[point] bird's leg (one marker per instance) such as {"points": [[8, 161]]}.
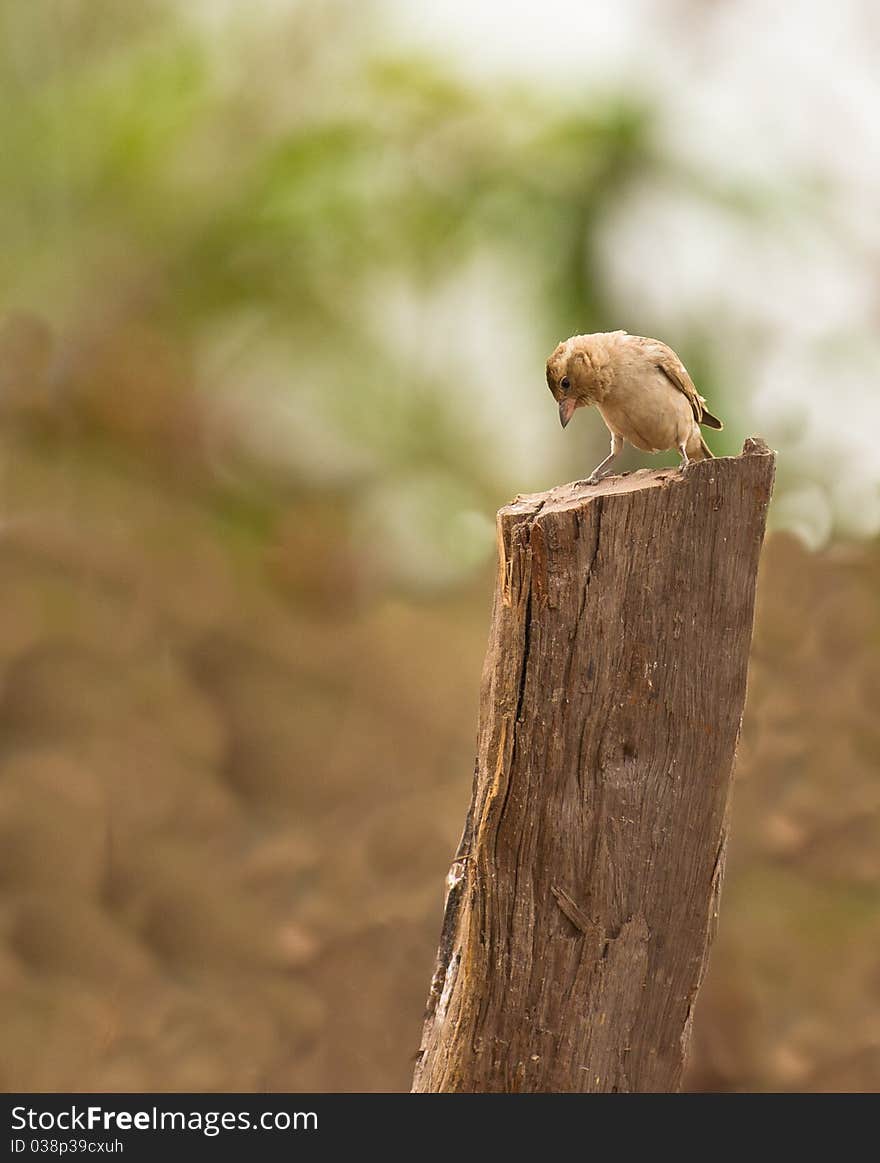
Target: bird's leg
{"points": [[685, 459], [604, 468]]}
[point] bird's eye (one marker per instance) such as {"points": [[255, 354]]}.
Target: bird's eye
{"points": [[565, 383]]}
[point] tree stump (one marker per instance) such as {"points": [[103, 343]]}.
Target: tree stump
{"points": [[584, 895]]}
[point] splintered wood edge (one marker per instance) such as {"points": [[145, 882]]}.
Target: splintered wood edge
{"points": [[574, 494]]}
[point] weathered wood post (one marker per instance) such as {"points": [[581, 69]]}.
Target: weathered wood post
{"points": [[582, 901]]}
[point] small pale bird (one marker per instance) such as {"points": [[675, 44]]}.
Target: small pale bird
{"points": [[641, 389]]}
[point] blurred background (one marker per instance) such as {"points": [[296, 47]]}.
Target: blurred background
{"points": [[277, 284]]}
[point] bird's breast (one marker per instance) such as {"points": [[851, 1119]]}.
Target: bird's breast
{"points": [[650, 414]]}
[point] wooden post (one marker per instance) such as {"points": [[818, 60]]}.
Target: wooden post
{"points": [[583, 898]]}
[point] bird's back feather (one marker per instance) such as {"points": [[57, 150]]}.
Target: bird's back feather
{"points": [[671, 366]]}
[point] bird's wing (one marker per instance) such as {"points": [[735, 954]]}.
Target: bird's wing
{"points": [[675, 371]]}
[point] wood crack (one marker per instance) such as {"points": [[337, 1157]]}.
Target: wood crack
{"points": [[571, 910]]}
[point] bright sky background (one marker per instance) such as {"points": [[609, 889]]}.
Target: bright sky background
{"points": [[556, 42], [785, 99]]}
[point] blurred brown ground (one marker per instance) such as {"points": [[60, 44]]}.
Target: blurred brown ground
{"points": [[230, 786]]}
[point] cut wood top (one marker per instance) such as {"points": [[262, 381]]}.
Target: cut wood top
{"points": [[576, 493]]}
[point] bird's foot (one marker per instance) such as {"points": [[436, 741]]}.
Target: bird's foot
{"points": [[589, 481]]}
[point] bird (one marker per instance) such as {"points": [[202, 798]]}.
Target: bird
{"points": [[641, 389]]}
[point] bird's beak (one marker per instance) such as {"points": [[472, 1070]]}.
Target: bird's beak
{"points": [[566, 410]]}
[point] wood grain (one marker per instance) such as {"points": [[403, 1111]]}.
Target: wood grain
{"points": [[584, 895]]}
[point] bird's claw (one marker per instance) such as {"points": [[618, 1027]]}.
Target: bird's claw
{"points": [[588, 481]]}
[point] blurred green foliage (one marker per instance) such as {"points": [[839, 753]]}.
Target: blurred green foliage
{"points": [[209, 213]]}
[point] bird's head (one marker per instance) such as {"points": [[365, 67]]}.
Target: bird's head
{"points": [[571, 376]]}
